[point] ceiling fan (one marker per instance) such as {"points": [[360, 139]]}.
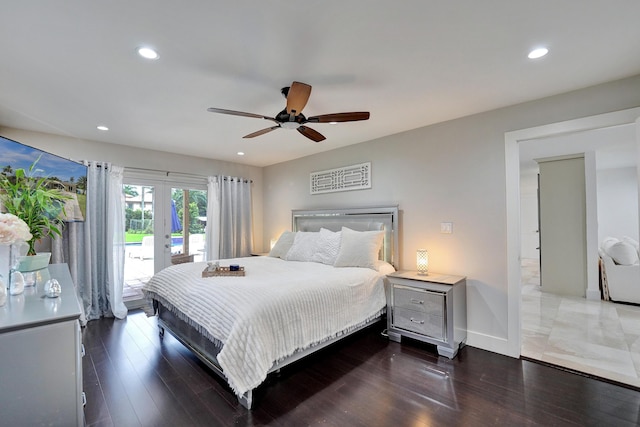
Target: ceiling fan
{"points": [[292, 118]]}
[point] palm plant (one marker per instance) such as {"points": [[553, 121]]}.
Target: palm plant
{"points": [[38, 201]]}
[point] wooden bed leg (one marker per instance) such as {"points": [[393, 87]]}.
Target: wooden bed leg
{"points": [[246, 399]]}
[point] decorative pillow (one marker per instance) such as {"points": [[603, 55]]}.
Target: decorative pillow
{"points": [[304, 246], [623, 253], [328, 245], [282, 246], [359, 248], [384, 267]]}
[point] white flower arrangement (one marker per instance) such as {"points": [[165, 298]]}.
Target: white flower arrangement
{"points": [[13, 229]]}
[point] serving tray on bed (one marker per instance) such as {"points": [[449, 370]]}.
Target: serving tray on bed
{"points": [[222, 271]]}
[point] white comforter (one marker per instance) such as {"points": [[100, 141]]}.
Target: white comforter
{"points": [[279, 307]]}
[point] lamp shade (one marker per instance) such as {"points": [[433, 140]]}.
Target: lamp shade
{"points": [[422, 261]]}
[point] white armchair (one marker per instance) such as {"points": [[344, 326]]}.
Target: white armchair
{"points": [[621, 270]]}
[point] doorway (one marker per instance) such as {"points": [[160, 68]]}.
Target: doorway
{"points": [[164, 225], [514, 236]]}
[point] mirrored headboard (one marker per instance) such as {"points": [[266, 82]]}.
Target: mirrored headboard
{"points": [[358, 219]]}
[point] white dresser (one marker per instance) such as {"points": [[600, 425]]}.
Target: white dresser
{"points": [[40, 356], [431, 308]]}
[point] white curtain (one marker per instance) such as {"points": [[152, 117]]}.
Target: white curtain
{"points": [[115, 229], [212, 230], [229, 226], [94, 249]]}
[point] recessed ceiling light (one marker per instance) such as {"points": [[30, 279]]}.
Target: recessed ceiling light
{"points": [[333, 123], [538, 53], [240, 153], [102, 127], [147, 52]]}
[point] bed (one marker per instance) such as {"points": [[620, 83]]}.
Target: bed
{"points": [[323, 281]]}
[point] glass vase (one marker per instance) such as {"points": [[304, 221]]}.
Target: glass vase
{"points": [[3, 292], [9, 261], [5, 264]]}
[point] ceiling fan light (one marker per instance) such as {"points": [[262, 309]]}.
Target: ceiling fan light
{"points": [[102, 128], [290, 125]]}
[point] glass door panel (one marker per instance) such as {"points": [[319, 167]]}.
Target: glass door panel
{"points": [[164, 225], [139, 238], [188, 220]]}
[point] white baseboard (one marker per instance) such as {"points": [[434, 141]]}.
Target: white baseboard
{"points": [[492, 343]]}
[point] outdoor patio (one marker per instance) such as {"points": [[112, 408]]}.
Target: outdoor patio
{"points": [[139, 265]]}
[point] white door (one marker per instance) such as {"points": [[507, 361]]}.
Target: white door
{"points": [[160, 229]]}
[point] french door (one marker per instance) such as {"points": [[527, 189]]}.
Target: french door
{"points": [[164, 225]]}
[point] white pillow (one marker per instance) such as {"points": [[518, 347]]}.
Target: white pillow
{"points": [[384, 267], [328, 245], [359, 248], [607, 242], [632, 242], [623, 253], [304, 246], [282, 246]]}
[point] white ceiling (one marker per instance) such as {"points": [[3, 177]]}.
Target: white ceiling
{"points": [[68, 66]]}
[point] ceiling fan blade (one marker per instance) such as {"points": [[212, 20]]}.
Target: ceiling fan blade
{"points": [[340, 117], [311, 134], [261, 132], [297, 97], [239, 113]]}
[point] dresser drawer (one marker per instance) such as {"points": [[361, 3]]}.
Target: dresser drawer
{"points": [[417, 299], [419, 322]]}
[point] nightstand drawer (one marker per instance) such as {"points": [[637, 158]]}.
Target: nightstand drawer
{"points": [[419, 322], [417, 299]]}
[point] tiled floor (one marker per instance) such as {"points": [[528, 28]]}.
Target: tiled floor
{"points": [[596, 337]]}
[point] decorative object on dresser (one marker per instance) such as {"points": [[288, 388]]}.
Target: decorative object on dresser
{"points": [[52, 288], [41, 350], [431, 308], [3, 292], [14, 232]]}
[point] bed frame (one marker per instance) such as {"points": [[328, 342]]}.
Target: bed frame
{"points": [[359, 219]]}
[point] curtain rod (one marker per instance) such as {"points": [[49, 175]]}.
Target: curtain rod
{"points": [[180, 173], [166, 173], [237, 178]]}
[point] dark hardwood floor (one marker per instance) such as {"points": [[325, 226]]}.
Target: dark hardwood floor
{"points": [[133, 378]]}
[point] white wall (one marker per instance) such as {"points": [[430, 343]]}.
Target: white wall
{"points": [[617, 203], [452, 171], [79, 149]]}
